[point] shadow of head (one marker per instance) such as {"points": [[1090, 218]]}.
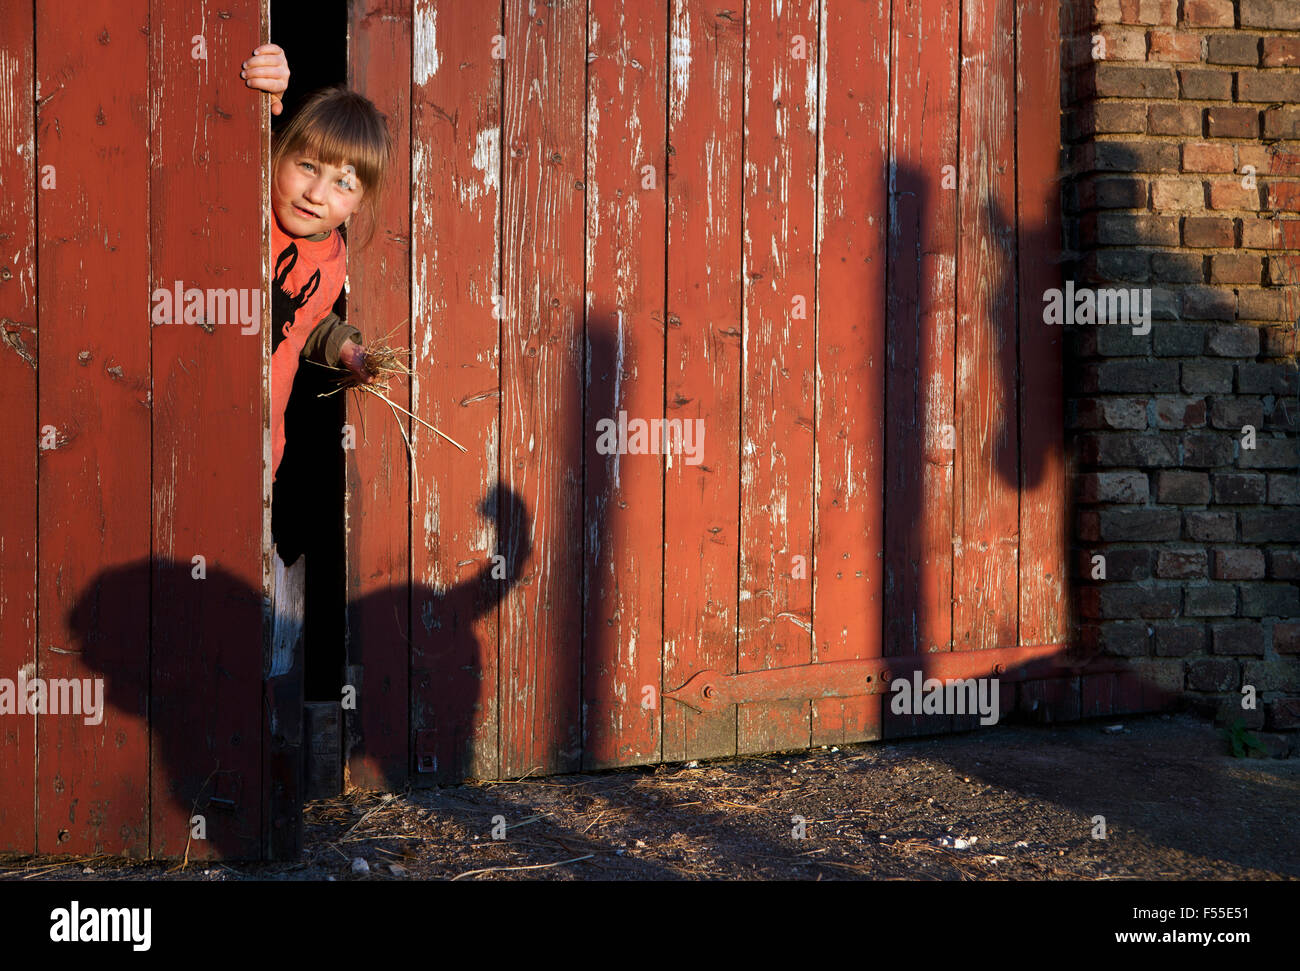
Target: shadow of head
{"points": [[179, 651]]}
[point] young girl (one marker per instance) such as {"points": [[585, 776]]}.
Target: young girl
{"points": [[328, 162]]}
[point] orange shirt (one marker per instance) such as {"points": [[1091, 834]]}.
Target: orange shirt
{"points": [[309, 273]]}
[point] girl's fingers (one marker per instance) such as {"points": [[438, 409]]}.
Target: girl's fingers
{"points": [[266, 61], [274, 77], [270, 87]]}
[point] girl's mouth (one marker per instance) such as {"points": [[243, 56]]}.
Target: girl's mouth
{"points": [[305, 213]]}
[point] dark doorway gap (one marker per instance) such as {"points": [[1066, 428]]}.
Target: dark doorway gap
{"points": [[307, 499]]}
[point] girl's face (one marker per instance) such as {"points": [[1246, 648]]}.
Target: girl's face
{"points": [[309, 197]]}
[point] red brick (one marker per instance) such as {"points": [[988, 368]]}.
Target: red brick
{"points": [[1282, 122], [1234, 48], [1211, 526], [1283, 196], [1168, 45], [1173, 194], [1179, 412], [1120, 229], [1208, 232], [1232, 122], [1257, 156], [1236, 268], [1113, 487], [1281, 52], [1213, 674], [1231, 194], [1103, 11], [1130, 81], [1111, 413], [1163, 12], [1272, 14], [1283, 340], [1284, 714], [1238, 638], [1283, 270], [1178, 268], [1286, 638], [1181, 640], [1279, 675], [1120, 44], [1279, 163], [1260, 305], [1133, 156], [1174, 119], [1208, 13], [1181, 564], [1284, 564], [1208, 303], [1192, 488], [1207, 157], [1238, 564], [1260, 234], [1112, 117], [1234, 341], [1268, 86], [1205, 85]]}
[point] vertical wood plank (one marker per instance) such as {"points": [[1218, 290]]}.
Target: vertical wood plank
{"points": [[920, 438], [207, 158], [703, 364], [623, 582], [986, 472], [776, 506], [377, 508], [541, 371], [457, 509], [1044, 523], [852, 224], [18, 413], [94, 419]]}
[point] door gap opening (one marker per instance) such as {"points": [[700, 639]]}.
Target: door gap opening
{"points": [[307, 500]]}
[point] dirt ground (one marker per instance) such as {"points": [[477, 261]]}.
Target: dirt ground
{"points": [[1011, 802]]}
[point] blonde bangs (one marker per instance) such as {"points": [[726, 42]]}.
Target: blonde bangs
{"points": [[337, 126]]}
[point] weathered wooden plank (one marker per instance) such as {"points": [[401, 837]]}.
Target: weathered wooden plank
{"points": [[776, 488], [206, 189], [703, 365], [377, 507], [541, 371], [623, 580], [18, 413], [93, 417], [1044, 523], [852, 224], [922, 262], [456, 509], [986, 473]]}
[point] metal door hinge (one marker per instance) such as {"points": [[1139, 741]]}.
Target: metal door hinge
{"points": [[710, 690]]}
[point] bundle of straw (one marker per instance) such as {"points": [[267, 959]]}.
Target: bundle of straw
{"points": [[385, 364]]}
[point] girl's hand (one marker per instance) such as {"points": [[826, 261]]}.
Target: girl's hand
{"points": [[352, 356], [267, 70]]}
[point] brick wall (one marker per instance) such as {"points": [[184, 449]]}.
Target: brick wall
{"points": [[1183, 131]]}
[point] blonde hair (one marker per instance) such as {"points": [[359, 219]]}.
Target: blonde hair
{"points": [[339, 126]]}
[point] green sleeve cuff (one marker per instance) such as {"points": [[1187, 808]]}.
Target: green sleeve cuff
{"points": [[326, 339]]}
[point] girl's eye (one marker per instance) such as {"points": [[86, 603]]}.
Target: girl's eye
{"points": [[308, 166]]}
